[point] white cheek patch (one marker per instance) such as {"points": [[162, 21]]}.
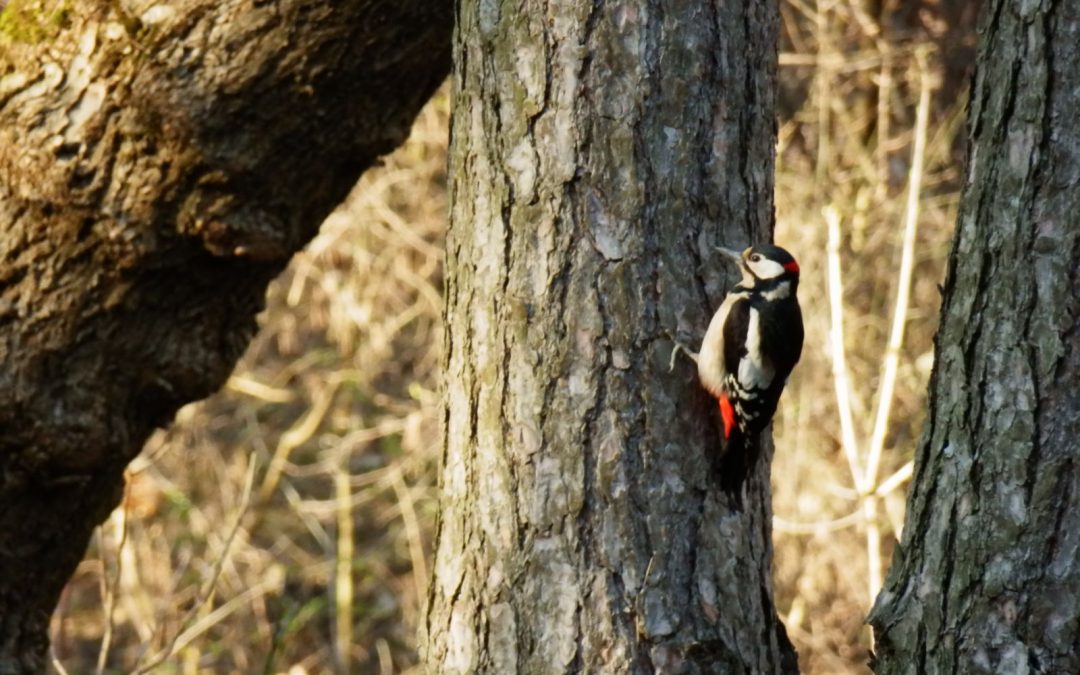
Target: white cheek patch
{"points": [[766, 269]]}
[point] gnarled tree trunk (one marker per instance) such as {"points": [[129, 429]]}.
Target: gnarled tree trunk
{"points": [[600, 152], [159, 164], [987, 579]]}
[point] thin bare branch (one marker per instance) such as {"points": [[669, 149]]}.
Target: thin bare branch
{"points": [[112, 586], [294, 438], [896, 480], [343, 581], [836, 347], [907, 264]]}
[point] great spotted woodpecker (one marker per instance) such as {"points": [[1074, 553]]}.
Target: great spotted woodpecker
{"points": [[752, 343]]}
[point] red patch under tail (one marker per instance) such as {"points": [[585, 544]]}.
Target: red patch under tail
{"points": [[727, 411]]}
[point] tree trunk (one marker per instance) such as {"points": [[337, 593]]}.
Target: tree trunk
{"points": [[987, 579], [159, 164], [599, 153]]}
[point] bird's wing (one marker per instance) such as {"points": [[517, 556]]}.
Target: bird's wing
{"points": [[736, 327]]}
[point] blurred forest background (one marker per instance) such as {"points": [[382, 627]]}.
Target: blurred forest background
{"points": [[285, 525]]}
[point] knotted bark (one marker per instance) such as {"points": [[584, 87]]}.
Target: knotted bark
{"points": [[159, 164]]}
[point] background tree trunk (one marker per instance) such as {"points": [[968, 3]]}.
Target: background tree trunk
{"points": [[159, 164], [599, 153], [987, 579]]}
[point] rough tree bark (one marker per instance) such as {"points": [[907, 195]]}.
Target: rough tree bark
{"points": [[159, 164], [600, 151], [987, 579]]}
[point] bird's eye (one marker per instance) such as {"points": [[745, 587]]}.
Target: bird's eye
{"points": [[755, 258]]}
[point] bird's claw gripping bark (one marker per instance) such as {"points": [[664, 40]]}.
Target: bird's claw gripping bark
{"points": [[680, 347]]}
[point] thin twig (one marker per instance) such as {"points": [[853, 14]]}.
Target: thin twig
{"points": [[295, 437], [817, 527], [215, 617], [873, 547], [823, 77], [56, 664], [884, 117], [112, 587], [896, 334], [907, 264], [246, 384], [343, 581], [896, 480], [412, 531], [175, 643], [836, 343], [386, 658]]}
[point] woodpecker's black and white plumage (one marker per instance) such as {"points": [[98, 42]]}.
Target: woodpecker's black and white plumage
{"points": [[752, 343]]}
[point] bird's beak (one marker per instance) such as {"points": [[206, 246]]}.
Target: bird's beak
{"points": [[731, 254]]}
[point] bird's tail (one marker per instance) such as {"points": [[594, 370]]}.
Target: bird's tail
{"points": [[740, 456]]}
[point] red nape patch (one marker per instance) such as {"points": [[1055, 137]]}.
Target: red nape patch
{"points": [[792, 267], [727, 411]]}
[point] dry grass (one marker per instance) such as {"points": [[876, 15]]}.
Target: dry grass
{"points": [[334, 407], [284, 525]]}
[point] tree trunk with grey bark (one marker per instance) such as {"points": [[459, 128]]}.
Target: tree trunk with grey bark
{"points": [[159, 164], [600, 152], [987, 579]]}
